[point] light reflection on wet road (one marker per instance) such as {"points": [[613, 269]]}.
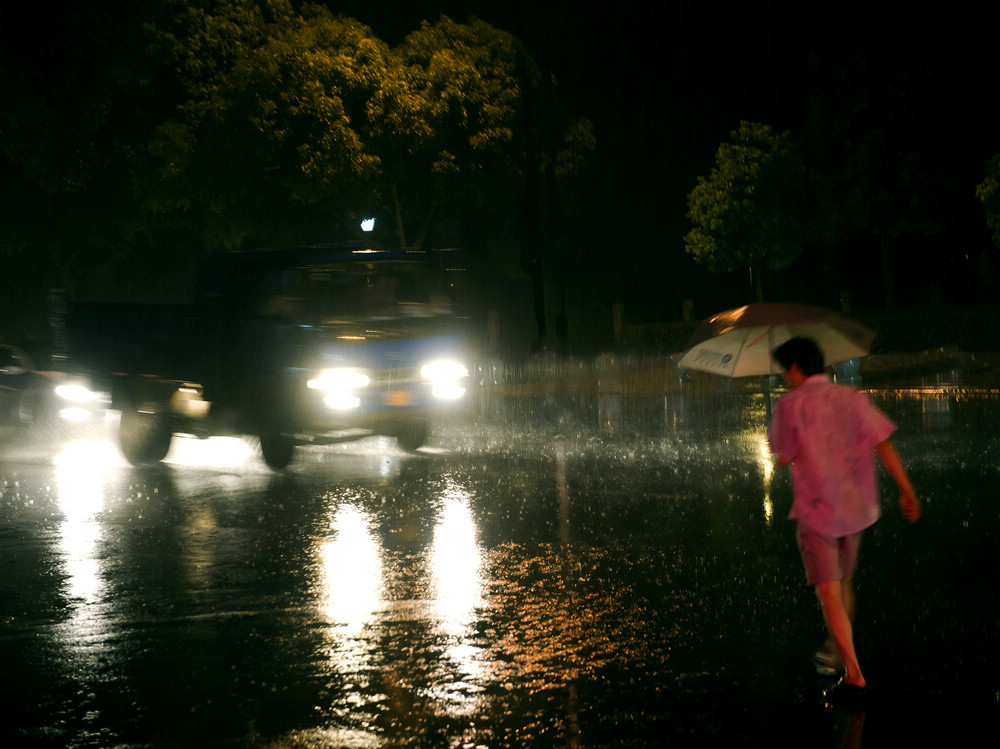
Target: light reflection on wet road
{"points": [[551, 572]]}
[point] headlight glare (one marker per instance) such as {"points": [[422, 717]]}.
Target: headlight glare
{"points": [[342, 401], [447, 391], [75, 393], [443, 370], [340, 380], [75, 413]]}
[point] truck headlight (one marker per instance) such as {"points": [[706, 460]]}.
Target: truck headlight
{"points": [[74, 392], [77, 401], [446, 378], [339, 385]]}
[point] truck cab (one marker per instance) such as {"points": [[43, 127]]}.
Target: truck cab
{"points": [[304, 346]]}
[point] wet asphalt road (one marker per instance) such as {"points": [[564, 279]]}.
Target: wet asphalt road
{"points": [[551, 571]]}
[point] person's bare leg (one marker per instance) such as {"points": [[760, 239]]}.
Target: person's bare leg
{"points": [[838, 623], [849, 599], [847, 596]]}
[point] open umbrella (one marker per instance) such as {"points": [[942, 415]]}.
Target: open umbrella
{"points": [[739, 342]]}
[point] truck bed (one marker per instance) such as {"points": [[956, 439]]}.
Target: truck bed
{"points": [[158, 340]]}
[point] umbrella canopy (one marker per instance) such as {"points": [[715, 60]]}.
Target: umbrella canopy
{"points": [[739, 342]]}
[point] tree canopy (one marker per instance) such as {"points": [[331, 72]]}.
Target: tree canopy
{"points": [[467, 85], [746, 213], [271, 132], [237, 123], [988, 192]]}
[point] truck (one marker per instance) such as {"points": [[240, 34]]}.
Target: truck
{"points": [[300, 346]]}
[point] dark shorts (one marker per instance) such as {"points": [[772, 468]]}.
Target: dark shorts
{"points": [[825, 558]]}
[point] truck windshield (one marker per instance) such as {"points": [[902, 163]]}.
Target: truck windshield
{"points": [[355, 291]]}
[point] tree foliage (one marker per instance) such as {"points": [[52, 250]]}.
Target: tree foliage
{"points": [[469, 82], [309, 116], [746, 213], [988, 192], [229, 123], [273, 121]]}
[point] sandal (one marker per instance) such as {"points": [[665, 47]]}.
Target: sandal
{"points": [[849, 696]]}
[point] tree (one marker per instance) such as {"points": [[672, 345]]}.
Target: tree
{"points": [[269, 145], [466, 150], [988, 192], [234, 123], [747, 213], [308, 119], [498, 161]]}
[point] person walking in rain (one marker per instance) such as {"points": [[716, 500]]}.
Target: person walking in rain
{"points": [[828, 433]]}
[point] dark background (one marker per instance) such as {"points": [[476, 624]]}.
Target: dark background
{"points": [[665, 84]]}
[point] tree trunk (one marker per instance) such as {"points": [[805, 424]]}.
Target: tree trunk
{"points": [[425, 226], [397, 211], [63, 265], [758, 289]]}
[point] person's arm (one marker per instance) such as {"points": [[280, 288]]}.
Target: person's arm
{"points": [[908, 502]]}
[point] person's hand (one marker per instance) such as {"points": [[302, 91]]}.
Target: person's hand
{"points": [[909, 504]]}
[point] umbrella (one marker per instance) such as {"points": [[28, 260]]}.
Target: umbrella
{"points": [[739, 342]]}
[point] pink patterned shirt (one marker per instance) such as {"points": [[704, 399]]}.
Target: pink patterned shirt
{"points": [[828, 432]]}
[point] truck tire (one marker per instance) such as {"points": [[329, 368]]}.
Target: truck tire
{"points": [[145, 437], [277, 450], [413, 434]]}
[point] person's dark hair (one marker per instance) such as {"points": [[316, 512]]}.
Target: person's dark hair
{"points": [[801, 351]]}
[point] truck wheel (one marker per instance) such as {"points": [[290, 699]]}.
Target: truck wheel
{"points": [[145, 437], [413, 434], [277, 450]]}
